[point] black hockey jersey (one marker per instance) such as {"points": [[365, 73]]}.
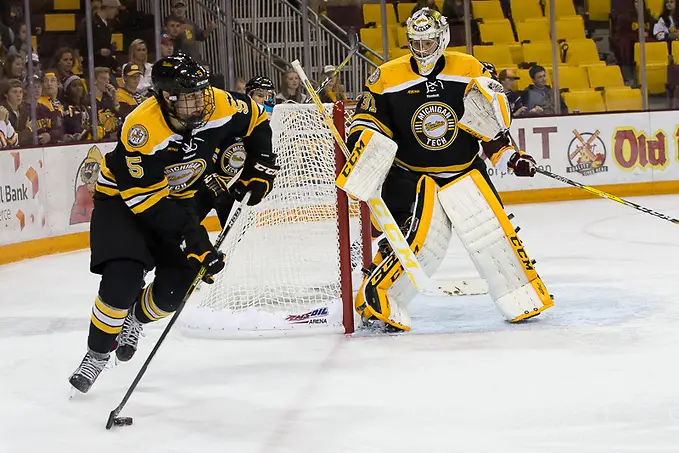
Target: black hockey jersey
{"points": [[152, 163], [420, 113]]}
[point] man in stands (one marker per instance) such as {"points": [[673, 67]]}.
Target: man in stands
{"points": [[107, 102], [507, 78], [128, 97], [539, 97], [102, 29], [49, 111], [192, 34]]}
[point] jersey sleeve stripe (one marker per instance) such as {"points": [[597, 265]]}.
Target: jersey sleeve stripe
{"points": [[135, 191], [149, 201], [369, 120], [256, 118]]}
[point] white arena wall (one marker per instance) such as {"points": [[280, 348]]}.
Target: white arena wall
{"points": [[45, 202]]}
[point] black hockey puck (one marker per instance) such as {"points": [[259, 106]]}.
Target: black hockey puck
{"points": [[122, 421]]}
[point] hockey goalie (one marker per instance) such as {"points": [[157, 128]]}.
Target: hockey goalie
{"points": [[422, 128]]}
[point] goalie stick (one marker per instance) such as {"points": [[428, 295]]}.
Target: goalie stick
{"points": [[113, 418]]}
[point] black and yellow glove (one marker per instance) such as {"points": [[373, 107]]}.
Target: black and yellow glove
{"points": [[200, 252], [256, 177], [217, 184]]}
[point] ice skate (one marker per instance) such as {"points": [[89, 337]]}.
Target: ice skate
{"points": [[88, 371], [128, 338]]}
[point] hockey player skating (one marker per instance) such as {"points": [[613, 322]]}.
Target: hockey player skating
{"points": [[420, 128], [143, 206]]}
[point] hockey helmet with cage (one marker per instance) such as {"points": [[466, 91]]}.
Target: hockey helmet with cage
{"points": [[428, 36], [190, 99], [262, 87]]}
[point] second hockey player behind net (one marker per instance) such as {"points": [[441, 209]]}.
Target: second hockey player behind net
{"points": [[411, 116]]}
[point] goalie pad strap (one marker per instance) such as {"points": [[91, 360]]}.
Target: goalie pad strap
{"points": [[496, 250], [386, 292], [486, 109], [368, 165]]}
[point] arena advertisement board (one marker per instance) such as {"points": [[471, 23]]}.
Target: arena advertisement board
{"points": [[597, 149], [23, 209]]}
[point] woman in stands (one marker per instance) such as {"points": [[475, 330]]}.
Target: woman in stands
{"points": [[666, 27], [63, 65], [77, 111], [14, 68], [20, 44], [333, 91], [138, 55], [291, 88]]}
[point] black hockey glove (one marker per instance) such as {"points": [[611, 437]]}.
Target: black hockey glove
{"points": [[522, 164], [257, 177], [217, 184], [200, 252]]}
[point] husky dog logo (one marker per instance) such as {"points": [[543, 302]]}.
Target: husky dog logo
{"points": [[85, 182]]}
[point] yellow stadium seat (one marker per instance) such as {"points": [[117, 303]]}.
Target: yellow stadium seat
{"points": [[524, 79], [538, 52], [395, 52], [66, 4], [573, 78], [373, 13], [675, 51], [584, 101], [581, 51], [533, 30], [118, 39], [401, 37], [497, 54], [461, 49], [59, 22], [564, 8], [656, 7], [34, 42], [598, 10], [656, 52], [497, 32], [372, 37], [404, 11], [439, 4], [525, 9], [620, 99], [571, 27], [605, 76], [487, 9], [656, 77]]}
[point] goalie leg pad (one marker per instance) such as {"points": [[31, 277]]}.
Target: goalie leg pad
{"points": [[494, 247], [368, 165], [386, 292]]}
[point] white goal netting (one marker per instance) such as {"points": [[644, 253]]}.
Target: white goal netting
{"points": [[283, 256]]}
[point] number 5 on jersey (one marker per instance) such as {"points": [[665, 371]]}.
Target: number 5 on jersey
{"points": [[133, 163]]}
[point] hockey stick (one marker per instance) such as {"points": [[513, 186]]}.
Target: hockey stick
{"points": [[603, 194], [354, 42], [123, 421], [378, 208]]}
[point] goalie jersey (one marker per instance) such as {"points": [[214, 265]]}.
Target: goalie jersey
{"points": [[421, 113], [152, 162]]}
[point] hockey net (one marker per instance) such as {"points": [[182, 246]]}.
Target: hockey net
{"points": [[294, 260]]}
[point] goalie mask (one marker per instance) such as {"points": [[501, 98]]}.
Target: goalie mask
{"points": [[428, 37]]}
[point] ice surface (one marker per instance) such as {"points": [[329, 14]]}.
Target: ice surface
{"points": [[597, 373]]}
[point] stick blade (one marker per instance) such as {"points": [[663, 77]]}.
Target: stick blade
{"points": [[111, 418]]}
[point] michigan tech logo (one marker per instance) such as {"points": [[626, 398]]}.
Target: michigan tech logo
{"points": [[233, 159], [586, 153], [434, 125]]}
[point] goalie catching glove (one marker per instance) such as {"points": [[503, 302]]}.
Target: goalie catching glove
{"points": [[257, 177], [200, 252]]}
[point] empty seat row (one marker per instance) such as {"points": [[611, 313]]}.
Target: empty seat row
{"points": [[500, 30]]}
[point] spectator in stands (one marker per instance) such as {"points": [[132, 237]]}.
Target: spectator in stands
{"points": [[3, 51], [454, 11], [192, 34], [173, 28], [240, 85], [102, 29], [14, 68], [666, 27], [50, 112], [63, 64], [539, 97], [78, 111], [507, 78], [8, 136], [12, 99], [107, 102], [625, 30], [291, 88], [20, 44], [128, 94], [139, 56], [166, 46], [333, 91], [431, 4]]}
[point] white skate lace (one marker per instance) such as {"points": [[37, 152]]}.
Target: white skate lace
{"points": [[91, 367], [132, 328]]}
